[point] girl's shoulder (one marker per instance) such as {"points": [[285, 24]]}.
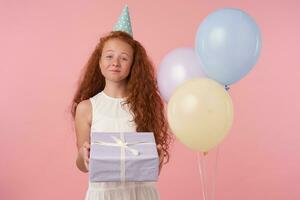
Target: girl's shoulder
{"points": [[84, 110], [84, 105]]}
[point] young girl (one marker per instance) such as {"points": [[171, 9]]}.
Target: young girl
{"points": [[118, 92]]}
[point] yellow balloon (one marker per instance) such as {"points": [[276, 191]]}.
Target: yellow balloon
{"points": [[200, 113]]}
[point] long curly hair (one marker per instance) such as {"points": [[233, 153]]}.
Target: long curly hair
{"points": [[143, 99]]}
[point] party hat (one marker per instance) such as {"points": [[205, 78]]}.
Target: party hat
{"points": [[124, 23]]}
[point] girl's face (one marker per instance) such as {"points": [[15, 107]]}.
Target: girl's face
{"points": [[116, 60]]}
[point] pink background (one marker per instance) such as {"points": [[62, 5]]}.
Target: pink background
{"points": [[44, 45]]}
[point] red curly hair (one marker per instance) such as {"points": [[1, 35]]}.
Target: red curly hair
{"points": [[143, 99]]}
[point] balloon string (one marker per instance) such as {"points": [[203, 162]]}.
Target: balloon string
{"points": [[215, 176], [201, 171]]}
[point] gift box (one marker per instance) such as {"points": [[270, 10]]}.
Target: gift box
{"points": [[123, 156]]}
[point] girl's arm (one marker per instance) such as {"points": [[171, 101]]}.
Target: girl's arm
{"points": [[83, 118]]}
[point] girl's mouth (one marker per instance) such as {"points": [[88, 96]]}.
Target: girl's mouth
{"points": [[114, 70]]}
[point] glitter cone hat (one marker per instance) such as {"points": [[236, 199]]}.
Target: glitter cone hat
{"points": [[124, 23]]}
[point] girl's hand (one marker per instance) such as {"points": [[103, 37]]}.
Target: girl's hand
{"points": [[161, 157], [84, 153]]}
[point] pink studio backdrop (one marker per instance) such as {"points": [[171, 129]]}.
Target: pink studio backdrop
{"points": [[44, 45]]}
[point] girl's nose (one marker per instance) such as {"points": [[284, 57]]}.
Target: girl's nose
{"points": [[115, 62]]}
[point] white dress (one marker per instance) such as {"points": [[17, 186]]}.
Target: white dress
{"points": [[109, 115]]}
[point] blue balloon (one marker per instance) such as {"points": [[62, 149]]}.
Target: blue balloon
{"points": [[228, 43]]}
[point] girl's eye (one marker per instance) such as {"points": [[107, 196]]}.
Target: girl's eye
{"points": [[109, 56], [125, 59]]}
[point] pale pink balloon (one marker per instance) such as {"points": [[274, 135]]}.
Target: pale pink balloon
{"points": [[177, 66]]}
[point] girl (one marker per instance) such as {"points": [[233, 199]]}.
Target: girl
{"points": [[118, 92]]}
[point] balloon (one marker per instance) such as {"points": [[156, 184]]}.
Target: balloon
{"points": [[228, 43], [200, 113], [176, 67]]}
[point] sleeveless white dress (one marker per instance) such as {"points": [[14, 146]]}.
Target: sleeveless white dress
{"points": [[109, 115]]}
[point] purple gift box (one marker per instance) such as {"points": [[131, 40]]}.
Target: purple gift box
{"points": [[123, 156]]}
